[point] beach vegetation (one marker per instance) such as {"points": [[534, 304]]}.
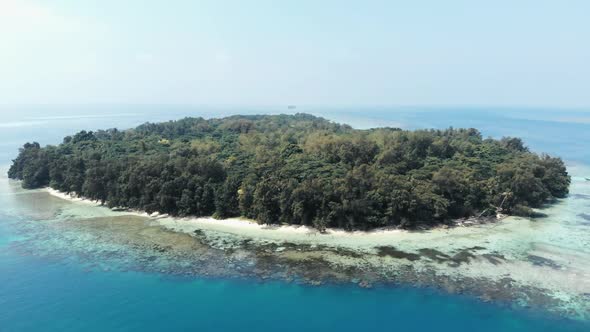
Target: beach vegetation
{"points": [[297, 169]]}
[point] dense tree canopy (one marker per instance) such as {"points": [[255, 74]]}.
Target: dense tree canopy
{"points": [[297, 169]]}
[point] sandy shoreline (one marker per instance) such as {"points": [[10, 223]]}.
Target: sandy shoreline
{"points": [[230, 225], [242, 228], [442, 238]]}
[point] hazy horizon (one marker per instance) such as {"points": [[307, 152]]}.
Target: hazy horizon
{"points": [[531, 54]]}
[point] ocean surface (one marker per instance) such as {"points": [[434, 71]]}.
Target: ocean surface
{"points": [[42, 289]]}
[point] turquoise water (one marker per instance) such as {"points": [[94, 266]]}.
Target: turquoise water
{"points": [[59, 296], [60, 293]]}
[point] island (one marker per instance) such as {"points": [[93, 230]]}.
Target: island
{"points": [[298, 170]]}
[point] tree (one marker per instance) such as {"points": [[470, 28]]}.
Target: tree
{"points": [[297, 169]]}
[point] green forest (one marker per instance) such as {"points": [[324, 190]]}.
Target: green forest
{"points": [[297, 169]]}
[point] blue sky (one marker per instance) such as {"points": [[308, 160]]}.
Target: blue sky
{"points": [[453, 52]]}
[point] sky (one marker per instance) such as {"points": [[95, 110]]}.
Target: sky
{"points": [[332, 53]]}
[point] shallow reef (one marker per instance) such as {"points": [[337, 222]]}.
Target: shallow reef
{"points": [[539, 263]]}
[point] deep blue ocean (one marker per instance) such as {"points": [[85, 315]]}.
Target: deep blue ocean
{"points": [[61, 294]]}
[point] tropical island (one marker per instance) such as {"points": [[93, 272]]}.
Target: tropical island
{"points": [[297, 170]]}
